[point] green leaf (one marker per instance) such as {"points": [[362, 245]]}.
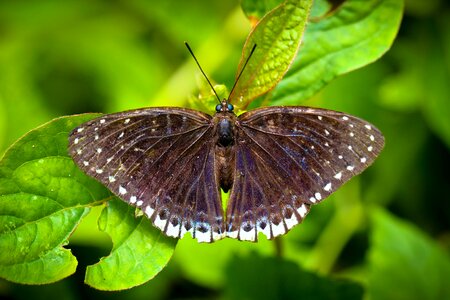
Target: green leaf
{"points": [[404, 263], [140, 250], [43, 197], [256, 9], [275, 278], [356, 34], [277, 36]]}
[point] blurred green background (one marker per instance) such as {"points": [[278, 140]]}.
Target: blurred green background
{"points": [[67, 57]]}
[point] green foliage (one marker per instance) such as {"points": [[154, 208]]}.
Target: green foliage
{"points": [[354, 36], [404, 263], [59, 58], [140, 250], [44, 197], [275, 278], [277, 36]]}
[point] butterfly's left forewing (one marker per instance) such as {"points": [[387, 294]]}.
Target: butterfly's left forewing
{"points": [[288, 158], [158, 159]]}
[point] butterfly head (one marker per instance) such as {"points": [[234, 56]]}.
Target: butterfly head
{"points": [[224, 106]]}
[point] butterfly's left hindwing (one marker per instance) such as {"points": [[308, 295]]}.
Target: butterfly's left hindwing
{"points": [[288, 158], [160, 160]]}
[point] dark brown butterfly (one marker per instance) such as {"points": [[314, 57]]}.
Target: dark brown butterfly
{"points": [[276, 162]]}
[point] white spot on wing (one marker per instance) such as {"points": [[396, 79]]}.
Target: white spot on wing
{"points": [[133, 199], [340, 157], [121, 135], [302, 210], [350, 168], [161, 224], [368, 127], [76, 141], [372, 138], [102, 121], [111, 178], [266, 230], [139, 203], [203, 237], [232, 234], [149, 211], [291, 222], [278, 229], [319, 117], [345, 118], [370, 148], [99, 171], [350, 147], [85, 163], [318, 196], [126, 121], [99, 150], [96, 137], [363, 159], [122, 190], [172, 230], [79, 151], [327, 132], [215, 235], [327, 187], [352, 134], [312, 199], [338, 175], [247, 235], [80, 129]]}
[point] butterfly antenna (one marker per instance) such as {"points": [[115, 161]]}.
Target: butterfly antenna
{"points": [[243, 68], [198, 64]]}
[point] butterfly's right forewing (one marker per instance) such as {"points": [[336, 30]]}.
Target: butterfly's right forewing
{"points": [[160, 160]]}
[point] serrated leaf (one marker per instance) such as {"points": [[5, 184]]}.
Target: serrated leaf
{"points": [[277, 36], [404, 263], [256, 277], [356, 34], [43, 197], [140, 250]]}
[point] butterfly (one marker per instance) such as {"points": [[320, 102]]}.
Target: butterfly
{"points": [[275, 162]]}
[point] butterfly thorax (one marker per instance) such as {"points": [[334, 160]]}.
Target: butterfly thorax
{"points": [[224, 122]]}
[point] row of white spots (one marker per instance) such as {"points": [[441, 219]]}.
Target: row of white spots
{"points": [[269, 229]]}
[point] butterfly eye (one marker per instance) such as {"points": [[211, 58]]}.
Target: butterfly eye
{"points": [[230, 107], [218, 107]]}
